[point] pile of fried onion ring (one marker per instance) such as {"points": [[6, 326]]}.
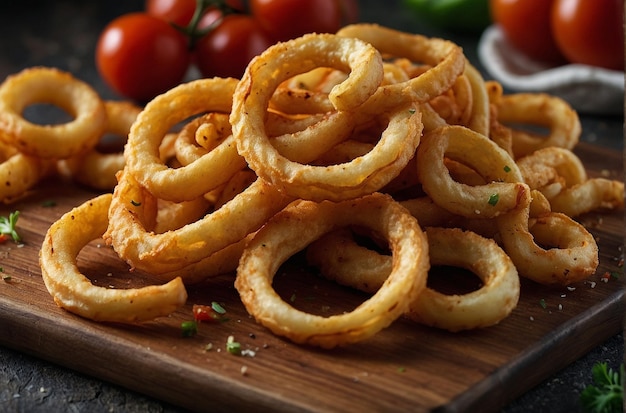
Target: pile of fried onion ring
{"points": [[379, 154]]}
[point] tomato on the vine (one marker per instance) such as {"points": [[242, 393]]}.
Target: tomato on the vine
{"points": [[526, 25], [226, 50], [287, 19], [141, 56], [590, 31], [559, 31], [178, 12]]}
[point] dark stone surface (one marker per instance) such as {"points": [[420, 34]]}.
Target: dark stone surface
{"points": [[63, 34]]}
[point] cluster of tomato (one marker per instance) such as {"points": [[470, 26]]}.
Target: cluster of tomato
{"points": [[143, 54], [558, 31]]}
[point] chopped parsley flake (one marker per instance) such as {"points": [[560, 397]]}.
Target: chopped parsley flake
{"points": [[218, 308], [493, 199], [189, 328], [232, 346]]}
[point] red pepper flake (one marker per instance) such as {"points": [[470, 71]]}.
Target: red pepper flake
{"points": [[211, 313]]}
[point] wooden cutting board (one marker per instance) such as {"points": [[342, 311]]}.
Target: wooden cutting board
{"points": [[406, 367]]}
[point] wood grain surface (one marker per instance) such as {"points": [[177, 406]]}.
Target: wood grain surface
{"points": [[406, 367]]}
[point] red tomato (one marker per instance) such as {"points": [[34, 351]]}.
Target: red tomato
{"points": [[590, 31], [288, 19], [179, 12], [227, 50], [141, 56], [526, 25]]}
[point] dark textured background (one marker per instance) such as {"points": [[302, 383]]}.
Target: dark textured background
{"points": [[63, 34]]}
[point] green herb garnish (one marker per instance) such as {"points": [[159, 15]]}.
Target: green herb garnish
{"points": [[218, 308], [8, 226], [493, 199], [606, 395], [189, 328], [232, 346]]}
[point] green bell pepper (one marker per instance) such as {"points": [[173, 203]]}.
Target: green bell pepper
{"points": [[452, 15]]}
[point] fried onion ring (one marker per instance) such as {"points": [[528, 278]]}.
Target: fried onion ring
{"points": [[50, 86], [132, 214], [287, 59], [362, 175], [96, 168], [340, 258], [547, 165], [484, 307], [494, 164], [445, 58], [591, 195], [162, 113], [539, 110], [550, 249], [19, 173], [74, 292], [292, 229]]}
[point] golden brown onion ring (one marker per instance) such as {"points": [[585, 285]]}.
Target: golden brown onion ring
{"points": [[298, 225], [539, 110], [154, 122], [365, 174], [551, 164], [551, 249], [133, 212], [484, 307], [287, 59], [445, 58], [74, 292], [492, 163], [201, 135], [591, 195], [97, 169], [19, 173], [341, 259], [50, 86]]}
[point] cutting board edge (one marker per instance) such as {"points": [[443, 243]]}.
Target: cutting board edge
{"points": [[529, 368], [229, 394]]}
